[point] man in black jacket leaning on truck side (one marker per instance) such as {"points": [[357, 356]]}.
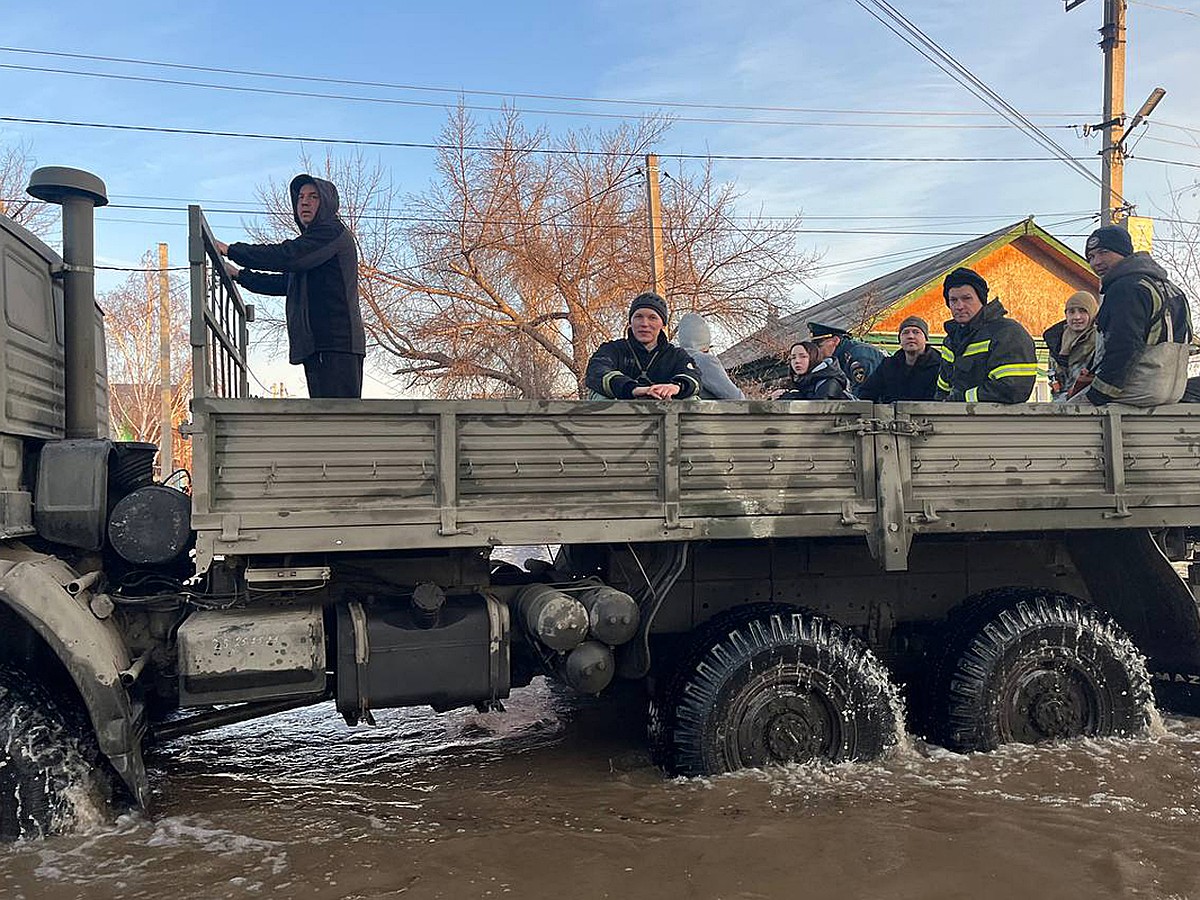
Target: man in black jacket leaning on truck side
{"points": [[318, 274], [643, 364]]}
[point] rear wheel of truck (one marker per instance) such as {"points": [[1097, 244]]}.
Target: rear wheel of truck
{"points": [[1045, 669], [782, 689], [49, 773]]}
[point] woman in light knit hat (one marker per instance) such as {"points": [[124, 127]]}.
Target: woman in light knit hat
{"points": [[1072, 344]]}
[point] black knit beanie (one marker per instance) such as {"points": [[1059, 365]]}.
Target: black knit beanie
{"points": [[649, 300], [963, 276], [1110, 237]]}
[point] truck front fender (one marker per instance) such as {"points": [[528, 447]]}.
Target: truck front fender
{"points": [[32, 585], [1129, 577]]}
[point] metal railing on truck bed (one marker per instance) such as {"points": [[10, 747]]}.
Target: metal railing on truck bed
{"points": [[219, 318]]}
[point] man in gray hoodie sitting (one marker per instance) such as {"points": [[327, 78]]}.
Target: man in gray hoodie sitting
{"points": [[693, 335]]}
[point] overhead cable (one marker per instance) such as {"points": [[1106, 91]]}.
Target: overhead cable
{"points": [[901, 26], [523, 95], [560, 151]]}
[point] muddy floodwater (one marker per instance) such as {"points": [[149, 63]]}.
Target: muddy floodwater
{"points": [[556, 798]]}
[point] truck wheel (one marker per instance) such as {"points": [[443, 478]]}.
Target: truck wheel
{"points": [[1046, 669], [781, 689], [47, 768], [671, 673]]}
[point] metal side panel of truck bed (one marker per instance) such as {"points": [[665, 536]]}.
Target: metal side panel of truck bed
{"points": [[274, 476], [296, 476]]}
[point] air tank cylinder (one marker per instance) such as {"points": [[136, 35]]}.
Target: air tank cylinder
{"points": [[612, 615], [554, 618], [589, 668]]}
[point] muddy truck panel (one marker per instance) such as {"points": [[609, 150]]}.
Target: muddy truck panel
{"points": [[328, 476]]}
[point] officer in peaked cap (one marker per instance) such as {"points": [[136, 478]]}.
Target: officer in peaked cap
{"points": [[858, 360]]}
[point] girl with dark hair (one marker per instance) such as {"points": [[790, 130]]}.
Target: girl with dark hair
{"points": [[813, 378]]}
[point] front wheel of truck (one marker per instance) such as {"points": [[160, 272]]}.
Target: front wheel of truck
{"points": [[780, 689], [1045, 669], [49, 775]]}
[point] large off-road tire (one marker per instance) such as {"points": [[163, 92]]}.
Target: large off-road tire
{"points": [[1045, 669], [670, 674], [780, 689], [48, 763]]}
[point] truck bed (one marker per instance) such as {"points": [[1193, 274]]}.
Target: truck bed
{"points": [[276, 476]]}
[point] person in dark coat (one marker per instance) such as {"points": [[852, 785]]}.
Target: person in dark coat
{"points": [[695, 337], [1072, 343], [318, 274], [1143, 329], [813, 378], [856, 359], [643, 363], [986, 357], [908, 374]]}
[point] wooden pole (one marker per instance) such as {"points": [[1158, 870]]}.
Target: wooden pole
{"points": [[166, 453], [1112, 42], [658, 273]]}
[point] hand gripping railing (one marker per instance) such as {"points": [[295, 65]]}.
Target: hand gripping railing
{"points": [[219, 318]]}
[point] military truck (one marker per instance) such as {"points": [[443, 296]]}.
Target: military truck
{"points": [[789, 581]]}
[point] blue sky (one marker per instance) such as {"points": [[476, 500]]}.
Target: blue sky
{"points": [[829, 55]]}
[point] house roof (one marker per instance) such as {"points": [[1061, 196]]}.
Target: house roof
{"points": [[885, 292]]}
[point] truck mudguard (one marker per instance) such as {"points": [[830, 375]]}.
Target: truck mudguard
{"points": [[1129, 578], [33, 585]]}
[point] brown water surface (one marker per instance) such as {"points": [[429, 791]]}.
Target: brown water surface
{"points": [[556, 799]]}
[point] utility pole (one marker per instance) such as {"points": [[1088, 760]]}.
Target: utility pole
{"points": [[658, 273], [1112, 42], [166, 453]]}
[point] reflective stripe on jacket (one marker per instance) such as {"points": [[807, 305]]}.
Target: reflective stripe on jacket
{"points": [[617, 367], [990, 359]]}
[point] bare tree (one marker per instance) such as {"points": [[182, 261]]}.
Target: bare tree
{"points": [[505, 275], [1178, 246], [15, 166], [131, 322]]}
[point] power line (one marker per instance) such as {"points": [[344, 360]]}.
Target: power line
{"points": [[524, 95], [927, 47], [430, 104], [446, 220], [1165, 8], [483, 148], [1170, 162]]}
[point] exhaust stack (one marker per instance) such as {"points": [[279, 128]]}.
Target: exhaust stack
{"points": [[78, 193]]}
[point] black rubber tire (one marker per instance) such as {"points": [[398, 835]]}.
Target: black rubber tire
{"points": [[670, 675], [927, 692], [48, 762], [1045, 669], [781, 689]]}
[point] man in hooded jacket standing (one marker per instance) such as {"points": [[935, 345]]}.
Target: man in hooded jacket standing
{"points": [[318, 274]]}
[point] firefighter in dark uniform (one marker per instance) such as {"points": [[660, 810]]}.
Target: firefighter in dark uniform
{"points": [[986, 357], [858, 360]]}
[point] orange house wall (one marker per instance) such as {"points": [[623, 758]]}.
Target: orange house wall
{"points": [[1032, 282]]}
